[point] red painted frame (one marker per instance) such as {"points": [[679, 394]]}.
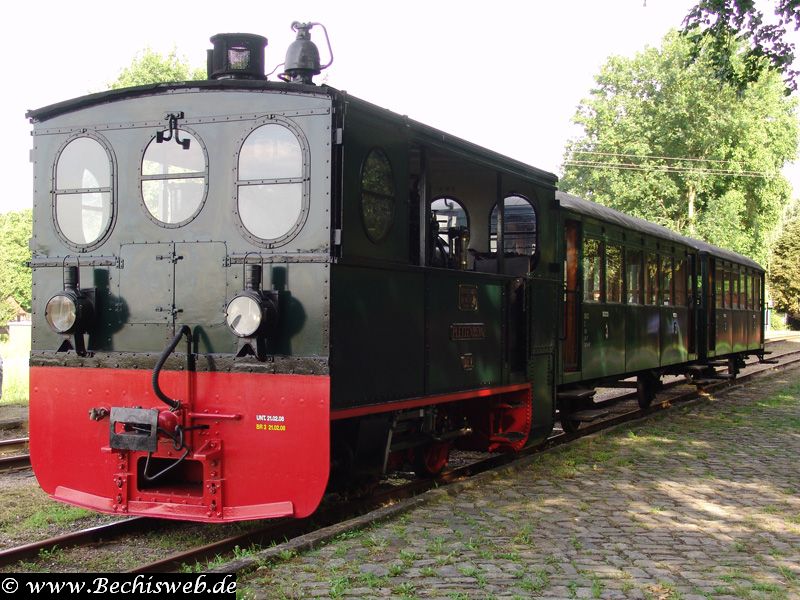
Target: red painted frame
{"points": [[265, 453]]}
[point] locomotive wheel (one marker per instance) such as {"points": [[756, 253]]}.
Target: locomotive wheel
{"points": [[733, 367], [569, 425], [431, 459], [646, 387]]}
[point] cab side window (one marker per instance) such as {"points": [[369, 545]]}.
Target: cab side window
{"points": [[520, 227], [449, 225], [519, 233]]}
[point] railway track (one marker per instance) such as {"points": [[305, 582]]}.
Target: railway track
{"points": [[275, 532], [292, 529], [14, 461]]}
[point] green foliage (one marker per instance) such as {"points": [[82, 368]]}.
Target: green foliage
{"points": [[15, 276], [784, 275], [151, 67], [739, 44], [16, 383], [666, 141]]}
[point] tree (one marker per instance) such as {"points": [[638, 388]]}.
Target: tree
{"points": [[666, 141], [723, 28], [784, 269], [151, 67], [15, 276]]}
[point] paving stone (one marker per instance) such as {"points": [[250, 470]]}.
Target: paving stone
{"points": [[703, 496]]}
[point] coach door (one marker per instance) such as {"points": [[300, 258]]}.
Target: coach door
{"points": [[570, 347]]}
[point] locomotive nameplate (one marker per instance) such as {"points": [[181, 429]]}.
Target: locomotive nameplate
{"points": [[468, 298], [467, 331]]}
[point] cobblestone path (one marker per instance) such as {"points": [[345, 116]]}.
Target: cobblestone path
{"points": [[703, 502]]}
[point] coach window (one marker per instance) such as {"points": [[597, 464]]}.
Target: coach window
{"points": [[748, 279], [681, 281], [726, 280], [666, 280], [174, 180], [633, 277], [83, 193], [271, 194], [651, 279], [757, 292], [377, 195], [592, 270], [741, 297], [719, 285], [613, 273]]}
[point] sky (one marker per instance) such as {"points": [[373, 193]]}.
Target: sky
{"points": [[505, 74]]}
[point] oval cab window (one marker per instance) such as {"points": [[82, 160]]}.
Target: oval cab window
{"points": [[377, 195], [271, 199], [174, 180], [83, 198]]}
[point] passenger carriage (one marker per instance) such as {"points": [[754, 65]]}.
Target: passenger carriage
{"points": [[643, 301]]}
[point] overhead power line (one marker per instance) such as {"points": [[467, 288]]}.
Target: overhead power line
{"points": [[679, 165], [656, 157]]}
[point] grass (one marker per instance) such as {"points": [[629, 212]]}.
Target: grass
{"points": [[58, 514], [26, 509], [15, 352]]}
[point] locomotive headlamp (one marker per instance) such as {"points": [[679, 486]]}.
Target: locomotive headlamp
{"points": [[71, 310], [252, 310], [61, 312], [245, 314]]}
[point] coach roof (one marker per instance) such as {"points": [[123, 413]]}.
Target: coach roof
{"points": [[609, 215]]}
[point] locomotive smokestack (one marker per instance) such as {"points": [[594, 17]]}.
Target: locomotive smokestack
{"points": [[237, 56]]}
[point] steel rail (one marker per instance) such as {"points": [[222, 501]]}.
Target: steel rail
{"points": [[77, 538], [12, 463], [14, 442]]}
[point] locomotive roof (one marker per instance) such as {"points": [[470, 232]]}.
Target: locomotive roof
{"points": [[425, 133], [609, 215], [60, 108]]}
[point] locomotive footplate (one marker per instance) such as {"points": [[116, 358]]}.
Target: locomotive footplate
{"points": [[134, 429]]}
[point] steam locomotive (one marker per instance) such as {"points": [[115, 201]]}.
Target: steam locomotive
{"points": [[246, 291]]}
